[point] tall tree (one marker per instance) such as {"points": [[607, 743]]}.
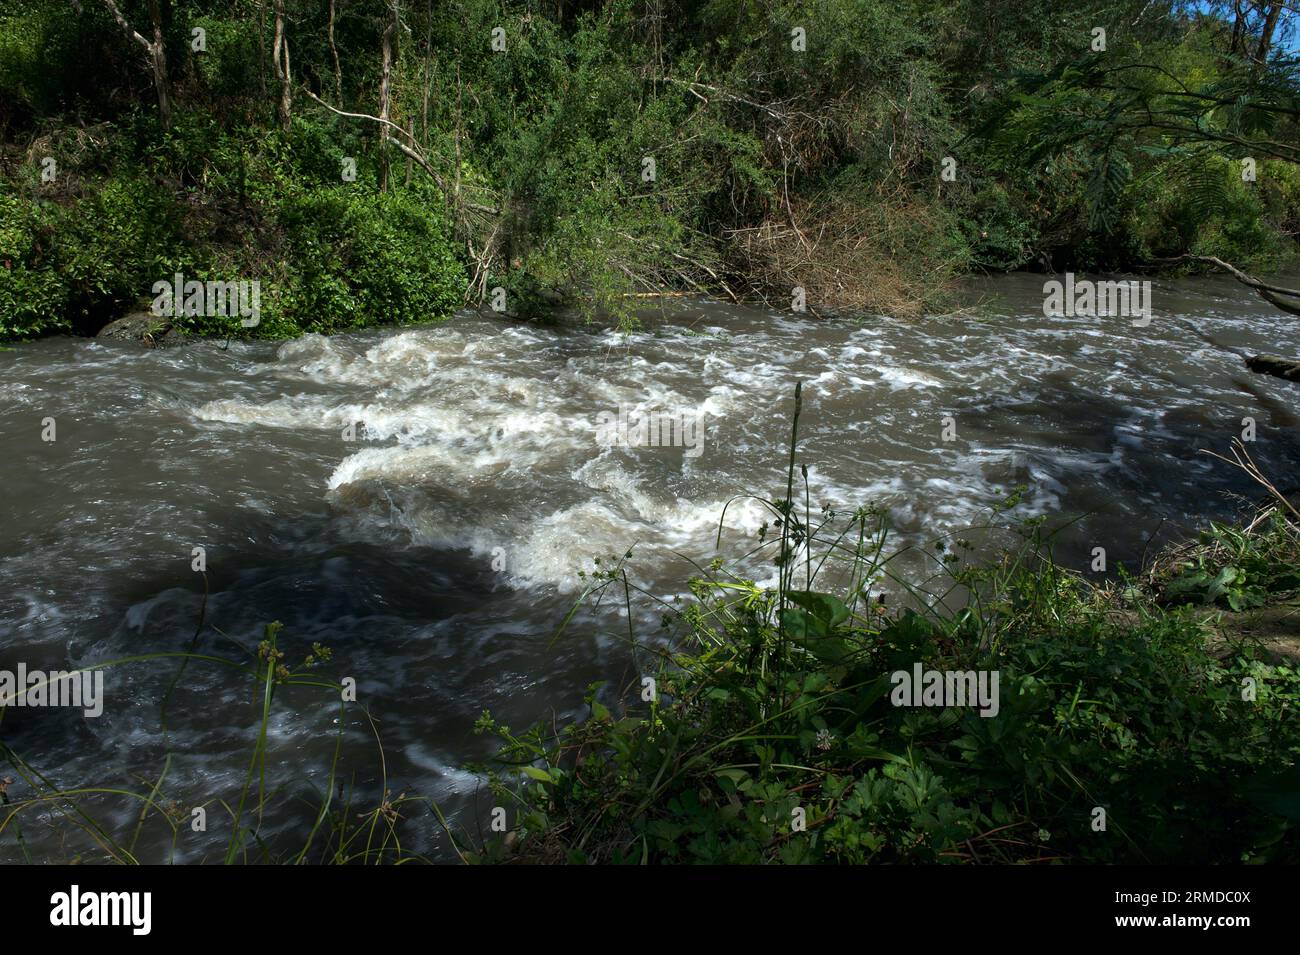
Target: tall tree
{"points": [[155, 53], [388, 51], [1266, 32], [334, 54], [280, 57]]}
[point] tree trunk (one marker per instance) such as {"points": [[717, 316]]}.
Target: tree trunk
{"points": [[158, 62], [280, 58], [156, 53], [261, 48], [410, 134], [1266, 34], [388, 39], [338, 71]]}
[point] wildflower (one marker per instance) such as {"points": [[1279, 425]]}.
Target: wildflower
{"points": [[824, 739]]}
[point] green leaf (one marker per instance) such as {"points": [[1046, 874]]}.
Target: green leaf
{"points": [[540, 775], [801, 625], [827, 608], [732, 780]]}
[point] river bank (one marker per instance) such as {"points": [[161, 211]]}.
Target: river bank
{"points": [[1052, 721], [426, 502], [851, 156]]}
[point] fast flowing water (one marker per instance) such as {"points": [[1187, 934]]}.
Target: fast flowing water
{"points": [[436, 551]]}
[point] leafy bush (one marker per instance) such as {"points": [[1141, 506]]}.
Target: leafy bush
{"points": [[114, 244], [1000, 234], [35, 45], [32, 297], [228, 65], [74, 267], [1234, 567], [363, 258], [1203, 206]]}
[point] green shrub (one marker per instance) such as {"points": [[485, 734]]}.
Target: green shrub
{"points": [[1235, 568], [32, 297], [363, 259], [1203, 206], [998, 230], [775, 709], [36, 45], [114, 244], [76, 267], [229, 63]]}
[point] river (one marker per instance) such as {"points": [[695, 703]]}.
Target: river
{"points": [[437, 551]]}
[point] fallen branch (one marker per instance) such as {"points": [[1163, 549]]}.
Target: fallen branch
{"points": [[694, 89], [1241, 458], [411, 151], [1266, 291], [1287, 368]]}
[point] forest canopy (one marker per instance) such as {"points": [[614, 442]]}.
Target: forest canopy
{"points": [[378, 161]]}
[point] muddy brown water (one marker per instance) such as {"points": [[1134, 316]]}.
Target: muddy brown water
{"points": [[436, 553]]}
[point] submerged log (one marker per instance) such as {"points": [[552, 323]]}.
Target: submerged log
{"points": [[1288, 368]]}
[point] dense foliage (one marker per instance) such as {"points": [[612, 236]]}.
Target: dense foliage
{"points": [[864, 151]]}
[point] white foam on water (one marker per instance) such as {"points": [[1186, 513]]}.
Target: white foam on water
{"points": [[898, 377], [483, 437]]}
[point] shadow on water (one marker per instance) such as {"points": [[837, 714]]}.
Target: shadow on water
{"points": [[380, 549], [1091, 450], [432, 637]]}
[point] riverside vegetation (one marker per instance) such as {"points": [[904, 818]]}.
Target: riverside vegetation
{"points": [[1157, 699], [406, 158], [771, 735], [780, 744]]}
